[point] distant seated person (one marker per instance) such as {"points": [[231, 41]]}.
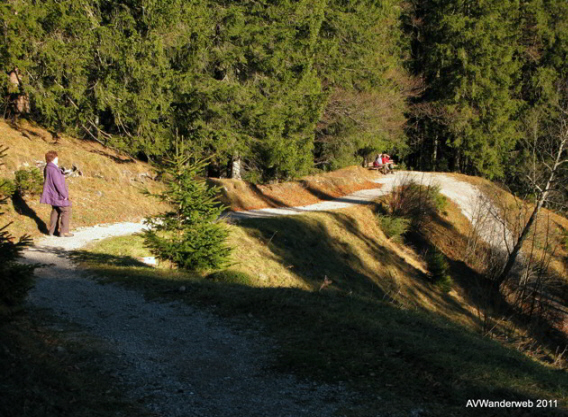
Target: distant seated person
{"points": [[387, 162], [378, 163]]}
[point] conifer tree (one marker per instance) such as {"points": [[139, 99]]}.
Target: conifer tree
{"points": [[15, 278], [253, 78], [190, 235], [360, 59], [466, 51]]}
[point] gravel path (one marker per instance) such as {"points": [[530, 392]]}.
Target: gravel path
{"points": [[176, 360], [179, 361], [469, 199]]}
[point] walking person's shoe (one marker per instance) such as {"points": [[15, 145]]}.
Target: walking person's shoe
{"points": [[67, 235]]}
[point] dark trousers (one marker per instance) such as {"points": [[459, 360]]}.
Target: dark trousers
{"points": [[60, 216]]}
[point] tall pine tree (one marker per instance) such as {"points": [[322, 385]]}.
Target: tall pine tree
{"points": [[466, 51]]}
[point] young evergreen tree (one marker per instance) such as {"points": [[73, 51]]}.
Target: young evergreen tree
{"points": [[190, 235], [15, 278]]}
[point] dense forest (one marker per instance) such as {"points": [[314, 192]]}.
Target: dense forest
{"points": [[290, 87]]}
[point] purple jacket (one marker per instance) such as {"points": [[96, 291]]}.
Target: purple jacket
{"points": [[54, 188]]}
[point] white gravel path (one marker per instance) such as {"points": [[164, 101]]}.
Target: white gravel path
{"points": [[468, 198], [176, 360], [180, 361]]}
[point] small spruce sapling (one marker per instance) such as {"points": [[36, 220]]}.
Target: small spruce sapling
{"points": [[15, 278], [439, 270], [29, 181], [190, 235]]}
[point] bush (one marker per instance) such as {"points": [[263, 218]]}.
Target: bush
{"points": [[229, 276], [416, 202], [393, 227], [190, 236], [7, 188], [15, 278], [29, 181], [440, 200], [439, 268]]}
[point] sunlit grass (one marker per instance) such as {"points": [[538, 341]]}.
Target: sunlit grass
{"points": [[109, 190], [404, 351]]}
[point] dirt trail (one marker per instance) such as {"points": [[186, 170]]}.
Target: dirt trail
{"points": [[179, 361]]}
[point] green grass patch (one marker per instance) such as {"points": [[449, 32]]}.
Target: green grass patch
{"points": [[230, 277], [407, 358], [393, 227]]}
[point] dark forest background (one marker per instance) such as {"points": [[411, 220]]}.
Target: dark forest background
{"points": [[293, 87]]}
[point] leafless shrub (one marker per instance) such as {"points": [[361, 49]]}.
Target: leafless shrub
{"points": [[532, 288]]}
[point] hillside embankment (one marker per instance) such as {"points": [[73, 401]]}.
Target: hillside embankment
{"points": [[241, 196], [110, 182], [337, 301], [330, 297], [106, 188]]}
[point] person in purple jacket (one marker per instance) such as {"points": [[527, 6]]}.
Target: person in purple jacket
{"points": [[55, 193]]}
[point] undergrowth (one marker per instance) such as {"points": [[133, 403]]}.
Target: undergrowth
{"points": [[409, 208], [28, 181], [393, 227], [439, 269]]}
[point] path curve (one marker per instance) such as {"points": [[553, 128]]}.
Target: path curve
{"points": [[470, 200], [180, 361], [176, 360]]}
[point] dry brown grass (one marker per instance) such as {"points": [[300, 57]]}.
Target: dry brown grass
{"points": [[104, 194], [550, 224], [240, 195], [350, 249], [111, 182]]}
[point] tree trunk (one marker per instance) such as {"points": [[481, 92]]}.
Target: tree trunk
{"points": [[435, 155], [541, 200], [517, 248], [235, 167]]}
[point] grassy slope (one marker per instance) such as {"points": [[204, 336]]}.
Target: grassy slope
{"points": [[110, 182], [380, 325], [311, 189], [43, 374], [551, 225]]}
